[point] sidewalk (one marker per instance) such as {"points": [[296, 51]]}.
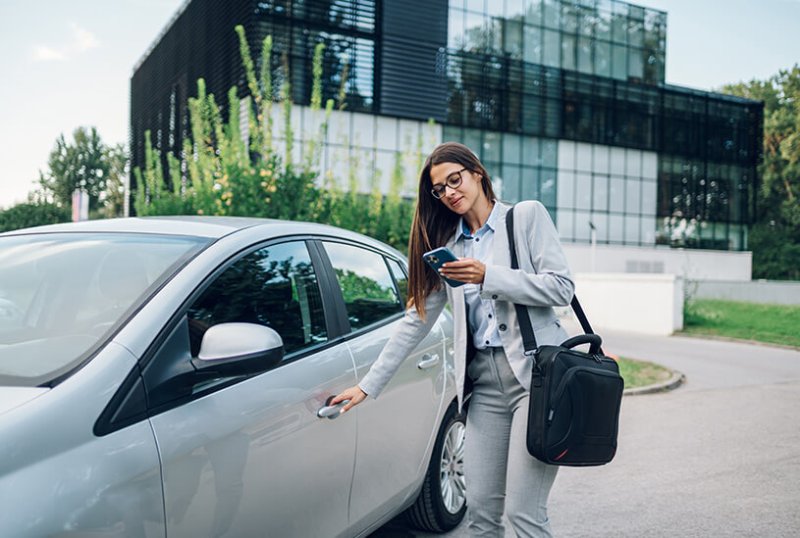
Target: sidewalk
{"points": [[717, 457]]}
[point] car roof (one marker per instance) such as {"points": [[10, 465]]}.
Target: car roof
{"points": [[212, 227], [200, 226]]}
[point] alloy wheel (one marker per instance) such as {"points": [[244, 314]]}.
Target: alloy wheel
{"points": [[452, 468]]}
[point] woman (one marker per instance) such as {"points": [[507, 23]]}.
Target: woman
{"points": [[457, 208]]}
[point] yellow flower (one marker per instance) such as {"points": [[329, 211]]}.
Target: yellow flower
{"points": [[199, 211]]}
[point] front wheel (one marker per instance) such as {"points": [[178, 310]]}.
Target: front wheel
{"points": [[442, 502]]}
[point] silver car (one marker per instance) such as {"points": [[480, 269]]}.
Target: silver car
{"points": [[171, 376]]}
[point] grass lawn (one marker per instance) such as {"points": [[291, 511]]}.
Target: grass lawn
{"points": [[641, 373], [775, 324]]}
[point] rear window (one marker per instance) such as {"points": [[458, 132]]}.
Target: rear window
{"points": [[367, 286], [63, 294]]}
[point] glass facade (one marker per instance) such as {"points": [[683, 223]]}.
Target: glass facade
{"points": [[605, 38], [587, 76], [522, 167], [346, 27], [564, 100]]}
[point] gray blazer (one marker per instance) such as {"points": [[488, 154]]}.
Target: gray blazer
{"points": [[542, 281]]}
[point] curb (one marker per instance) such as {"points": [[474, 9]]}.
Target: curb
{"points": [[736, 340], [672, 383]]}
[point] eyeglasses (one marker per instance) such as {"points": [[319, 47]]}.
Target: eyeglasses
{"points": [[453, 181]]}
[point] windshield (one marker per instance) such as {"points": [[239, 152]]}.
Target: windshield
{"points": [[62, 294]]}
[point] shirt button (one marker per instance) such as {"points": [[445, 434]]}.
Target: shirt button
{"points": [[490, 316], [502, 327], [487, 342], [494, 296], [477, 239]]}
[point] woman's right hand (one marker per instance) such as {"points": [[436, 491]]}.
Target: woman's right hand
{"points": [[354, 394]]}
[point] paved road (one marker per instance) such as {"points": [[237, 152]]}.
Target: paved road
{"points": [[719, 456]]}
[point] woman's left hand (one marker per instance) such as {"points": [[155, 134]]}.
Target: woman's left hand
{"points": [[467, 270]]}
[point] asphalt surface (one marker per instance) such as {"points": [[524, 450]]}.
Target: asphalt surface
{"points": [[719, 456]]}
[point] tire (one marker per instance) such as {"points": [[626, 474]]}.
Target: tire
{"points": [[442, 503]]}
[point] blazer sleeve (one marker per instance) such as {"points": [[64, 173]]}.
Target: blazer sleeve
{"points": [[408, 333], [551, 284]]}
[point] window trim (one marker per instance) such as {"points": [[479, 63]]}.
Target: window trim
{"points": [[336, 290], [404, 270]]}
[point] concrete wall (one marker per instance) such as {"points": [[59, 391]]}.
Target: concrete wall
{"points": [[687, 263], [648, 304], [756, 291]]}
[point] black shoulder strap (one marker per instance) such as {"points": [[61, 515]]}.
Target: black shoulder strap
{"points": [[528, 338]]}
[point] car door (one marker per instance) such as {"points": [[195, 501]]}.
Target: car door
{"points": [[251, 457], [396, 430]]}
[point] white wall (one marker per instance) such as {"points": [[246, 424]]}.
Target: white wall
{"points": [[648, 304], [690, 264], [756, 291]]}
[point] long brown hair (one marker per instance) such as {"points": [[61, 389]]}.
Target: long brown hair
{"points": [[434, 224]]}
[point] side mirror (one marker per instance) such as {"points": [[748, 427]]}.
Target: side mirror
{"points": [[233, 349]]}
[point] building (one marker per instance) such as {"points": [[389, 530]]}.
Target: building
{"points": [[564, 101]]}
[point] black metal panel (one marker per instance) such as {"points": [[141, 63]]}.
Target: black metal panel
{"points": [[412, 59], [200, 42]]}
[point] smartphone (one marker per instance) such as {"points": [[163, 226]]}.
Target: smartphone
{"points": [[437, 257]]}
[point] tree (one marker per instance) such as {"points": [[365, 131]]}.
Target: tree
{"points": [[775, 236], [81, 163], [113, 198]]}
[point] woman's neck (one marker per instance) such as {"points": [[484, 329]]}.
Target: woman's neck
{"points": [[478, 214]]}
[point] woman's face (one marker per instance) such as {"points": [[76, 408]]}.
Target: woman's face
{"points": [[458, 199]]}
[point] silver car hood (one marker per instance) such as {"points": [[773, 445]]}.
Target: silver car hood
{"points": [[11, 397]]}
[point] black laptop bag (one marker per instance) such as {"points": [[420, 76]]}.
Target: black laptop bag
{"points": [[573, 416]]}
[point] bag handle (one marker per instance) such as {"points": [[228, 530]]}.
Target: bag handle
{"points": [[593, 340], [528, 337]]}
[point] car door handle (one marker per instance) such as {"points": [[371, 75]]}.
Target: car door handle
{"points": [[428, 361], [331, 411]]}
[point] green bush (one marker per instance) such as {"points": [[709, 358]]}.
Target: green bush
{"points": [[31, 214]]}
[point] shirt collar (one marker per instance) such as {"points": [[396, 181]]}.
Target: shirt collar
{"points": [[463, 230]]}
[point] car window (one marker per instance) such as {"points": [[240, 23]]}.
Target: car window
{"points": [[400, 278], [274, 286], [368, 289], [63, 294]]}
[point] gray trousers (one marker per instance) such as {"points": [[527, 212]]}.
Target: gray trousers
{"points": [[499, 471]]}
